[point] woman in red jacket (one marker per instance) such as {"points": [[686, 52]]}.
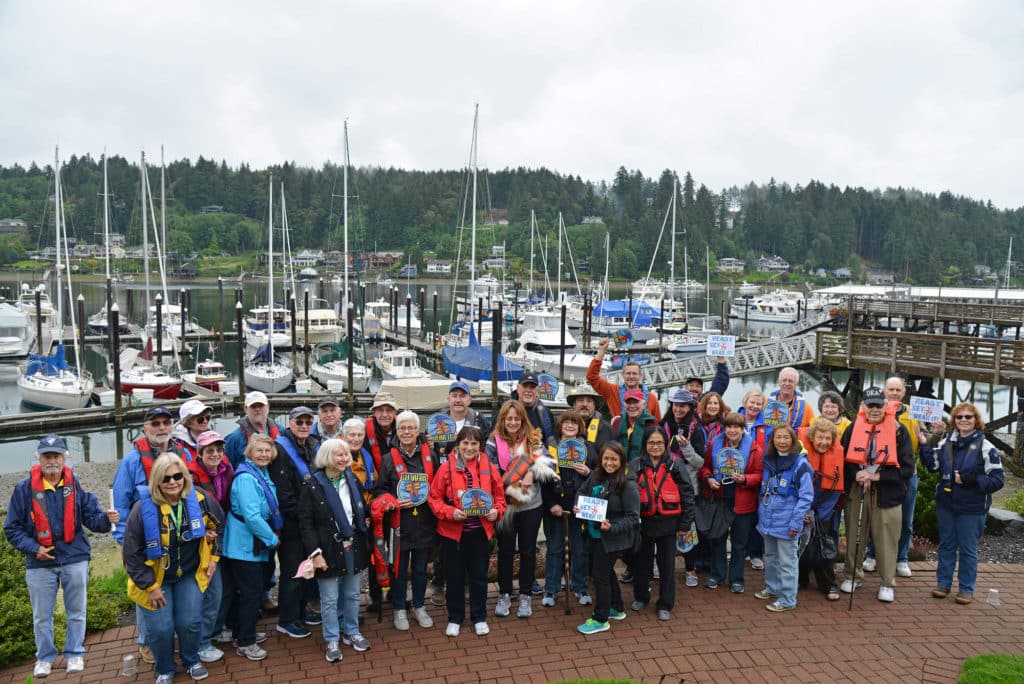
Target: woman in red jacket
{"points": [[466, 533]]}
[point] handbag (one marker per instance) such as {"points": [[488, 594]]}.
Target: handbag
{"points": [[821, 546], [713, 517]]}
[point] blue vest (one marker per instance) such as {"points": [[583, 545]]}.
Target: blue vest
{"points": [[782, 483], [276, 519], [796, 414], [333, 501], [300, 463], [151, 522]]}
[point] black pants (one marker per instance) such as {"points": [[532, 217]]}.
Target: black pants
{"points": [[246, 579], [663, 550], [291, 596], [607, 594], [466, 557], [524, 527]]}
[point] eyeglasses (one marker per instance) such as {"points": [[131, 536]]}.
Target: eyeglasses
{"points": [[176, 477], [408, 427], [966, 416], [205, 418], [303, 421], [160, 423], [655, 444]]}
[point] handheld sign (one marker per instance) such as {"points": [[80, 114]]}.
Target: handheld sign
{"points": [[727, 463], [547, 387], [623, 338], [413, 487], [441, 428], [721, 345], [775, 413], [476, 502], [571, 451], [592, 508], [926, 410], [112, 507]]}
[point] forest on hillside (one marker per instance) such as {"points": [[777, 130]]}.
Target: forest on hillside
{"points": [[924, 238]]}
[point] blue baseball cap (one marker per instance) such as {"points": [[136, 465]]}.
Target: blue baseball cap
{"points": [[459, 385], [52, 444]]}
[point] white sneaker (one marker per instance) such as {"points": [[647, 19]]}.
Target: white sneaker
{"points": [[42, 669], [481, 629], [211, 654], [422, 617], [504, 605], [548, 601], [847, 586], [757, 563], [886, 594], [869, 564], [903, 569], [525, 606], [76, 664], [452, 630], [401, 620]]}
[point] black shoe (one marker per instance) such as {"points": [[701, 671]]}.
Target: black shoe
{"points": [[373, 608], [312, 617], [537, 588]]}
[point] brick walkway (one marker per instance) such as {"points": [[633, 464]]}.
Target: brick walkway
{"points": [[713, 636]]}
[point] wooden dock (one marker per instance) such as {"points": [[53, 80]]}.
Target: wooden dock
{"points": [[922, 312]]}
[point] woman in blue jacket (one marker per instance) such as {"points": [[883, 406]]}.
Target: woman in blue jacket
{"points": [[250, 535], [787, 491], [970, 471]]}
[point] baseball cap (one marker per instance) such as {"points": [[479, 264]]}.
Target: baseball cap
{"points": [[158, 411], [301, 411], [459, 385], [633, 394], [52, 444], [327, 401], [256, 397], [207, 438], [874, 396], [528, 378], [192, 407]]}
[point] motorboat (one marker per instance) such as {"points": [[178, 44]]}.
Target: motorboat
{"points": [[400, 364], [331, 366], [746, 288], [256, 326], [774, 307], [17, 337], [324, 325], [541, 348]]}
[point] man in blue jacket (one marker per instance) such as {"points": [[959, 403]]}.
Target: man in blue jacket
{"points": [[45, 518]]}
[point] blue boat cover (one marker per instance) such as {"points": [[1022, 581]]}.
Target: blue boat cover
{"points": [[47, 365], [473, 362]]}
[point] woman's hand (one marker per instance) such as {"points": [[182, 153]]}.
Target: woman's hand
{"points": [[606, 525], [405, 503], [211, 569], [211, 536], [156, 599], [556, 511], [739, 479], [713, 483], [793, 533], [492, 514], [458, 515], [581, 468], [113, 516], [576, 510], [319, 563]]}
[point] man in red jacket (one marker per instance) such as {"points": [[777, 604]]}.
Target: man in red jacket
{"points": [[632, 378]]}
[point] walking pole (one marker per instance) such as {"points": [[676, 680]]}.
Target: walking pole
{"points": [[567, 559], [861, 535]]}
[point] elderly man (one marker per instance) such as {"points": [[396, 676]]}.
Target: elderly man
{"points": [[193, 420], [895, 390], [380, 427], [879, 462], [800, 412], [583, 400], [45, 521], [629, 427], [540, 415], [256, 421], [296, 451], [632, 378], [328, 425]]}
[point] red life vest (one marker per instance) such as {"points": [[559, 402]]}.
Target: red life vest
{"points": [[428, 463], [40, 519], [828, 467], [885, 439], [147, 455], [659, 493], [375, 443]]}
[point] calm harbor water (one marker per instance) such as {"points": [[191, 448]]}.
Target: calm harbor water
{"points": [[110, 444]]}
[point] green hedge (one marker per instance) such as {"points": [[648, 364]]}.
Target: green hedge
{"points": [[926, 523], [106, 599]]}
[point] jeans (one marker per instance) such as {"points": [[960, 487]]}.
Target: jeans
{"points": [[907, 528], [958, 536], [523, 528], [345, 588], [243, 587], [607, 594], [739, 532], [780, 568], [579, 556], [42, 592], [212, 598], [181, 615], [417, 558], [467, 557], [663, 550]]}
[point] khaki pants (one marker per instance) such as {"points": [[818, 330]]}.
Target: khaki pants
{"points": [[885, 524]]}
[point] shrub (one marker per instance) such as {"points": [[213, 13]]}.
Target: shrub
{"points": [[926, 523], [1014, 502], [108, 598]]}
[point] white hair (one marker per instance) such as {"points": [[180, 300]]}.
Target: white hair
{"points": [[328, 448], [353, 423], [407, 416]]}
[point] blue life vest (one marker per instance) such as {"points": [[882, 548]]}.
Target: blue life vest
{"points": [[783, 483], [796, 414], [276, 519], [300, 463], [333, 501], [719, 464], [151, 522]]}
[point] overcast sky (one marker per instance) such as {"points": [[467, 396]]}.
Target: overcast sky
{"points": [[874, 94]]}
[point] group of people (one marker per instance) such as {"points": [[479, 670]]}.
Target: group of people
{"points": [[209, 524]]}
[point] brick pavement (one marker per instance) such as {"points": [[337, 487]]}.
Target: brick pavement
{"points": [[714, 636]]}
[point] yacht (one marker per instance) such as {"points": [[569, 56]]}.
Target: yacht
{"points": [[256, 323], [16, 333], [324, 325], [331, 365], [400, 364], [774, 307], [540, 346]]}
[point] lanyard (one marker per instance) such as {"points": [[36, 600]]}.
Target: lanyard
{"points": [[175, 515]]}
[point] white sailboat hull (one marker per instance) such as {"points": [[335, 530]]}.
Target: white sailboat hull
{"points": [[337, 371], [63, 391], [271, 378]]}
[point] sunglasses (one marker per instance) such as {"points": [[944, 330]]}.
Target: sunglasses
{"points": [[303, 421], [160, 423], [176, 477], [966, 416], [205, 418]]}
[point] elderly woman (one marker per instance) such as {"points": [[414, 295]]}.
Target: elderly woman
{"points": [[411, 457], [832, 406], [750, 408], [353, 431], [332, 520], [516, 449], [252, 531], [820, 441], [465, 537], [686, 441], [969, 472], [212, 474], [170, 553], [193, 420]]}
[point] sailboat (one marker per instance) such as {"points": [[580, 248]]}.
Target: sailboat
{"points": [[140, 371], [265, 371], [48, 381], [98, 321]]}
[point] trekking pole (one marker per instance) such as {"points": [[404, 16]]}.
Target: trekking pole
{"points": [[860, 541], [567, 559]]}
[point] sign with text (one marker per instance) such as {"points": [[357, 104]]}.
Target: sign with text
{"points": [[476, 502], [441, 428], [413, 487], [721, 345], [592, 508], [547, 387], [926, 410], [571, 451], [775, 413]]}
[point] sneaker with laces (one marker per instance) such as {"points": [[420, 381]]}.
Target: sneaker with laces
{"points": [[226, 636], [481, 628], [504, 605], [295, 630], [537, 588], [691, 579], [252, 652], [333, 653], [903, 570], [584, 598], [962, 597], [401, 620], [210, 654], [422, 617], [847, 586], [616, 614], [592, 626], [886, 594], [757, 563], [736, 588], [777, 607], [198, 672], [710, 583], [312, 618], [357, 641], [452, 630], [42, 669], [165, 679], [548, 600], [76, 664], [637, 605], [664, 615], [869, 564], [940, 591], [269, 603], [764, 594], [525, 606], [437, 597]]}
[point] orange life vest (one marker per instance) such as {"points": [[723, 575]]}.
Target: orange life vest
{"points": [[659, 493], [885, 439], [828, 467], [40, 514], [375, 442]]}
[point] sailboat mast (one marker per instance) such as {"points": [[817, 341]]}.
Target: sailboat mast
{"points": [[472, 247], [558, 273], [270, 266], [106, 215], [686, 281], [145, 233], [607, 256], [672, 255], [707, 284], [1009, 258], [533, 233], [344, 223], [163, 205], [57, 242]]}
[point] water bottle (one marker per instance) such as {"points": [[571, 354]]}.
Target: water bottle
{"points": [[993, 597], [129, 666]]}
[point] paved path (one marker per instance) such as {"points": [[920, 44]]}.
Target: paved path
{"points": [[714, 636]]}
